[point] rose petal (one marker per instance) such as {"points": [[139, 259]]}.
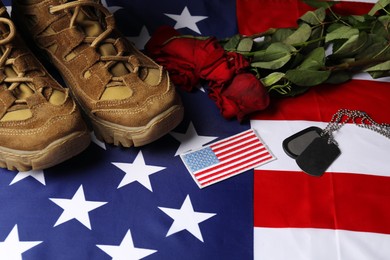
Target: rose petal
{"points": [[242, 97]]}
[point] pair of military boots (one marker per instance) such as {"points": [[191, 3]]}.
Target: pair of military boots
{"points": [[125, 96]]}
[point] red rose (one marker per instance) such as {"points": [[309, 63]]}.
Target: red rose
{"points": [[233, 63], [189, 59], [243, 96], [181, 71]]}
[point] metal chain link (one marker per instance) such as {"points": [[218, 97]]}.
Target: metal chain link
{"points": [[359, 118]]}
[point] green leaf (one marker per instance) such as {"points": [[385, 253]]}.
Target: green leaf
{"points": [[274, 64], [302, 34], [317, 33], [361, 22], [358, 18], [318, 4], [381, 26], [379, 74], [281, 34], [314, 60], [274, 57], [343, 32], [232, 43], [378, 6], [307, 78], [384, 66], [354, 44], [245, 45], [272, 78], [334, 26], [372, 50], [296, 60], [314, 17], [385, 20], [274, 52], [338, 77]]}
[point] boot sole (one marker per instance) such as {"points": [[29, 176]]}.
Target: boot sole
{"points": [[120, 135], [55, 153], [137, 136]]}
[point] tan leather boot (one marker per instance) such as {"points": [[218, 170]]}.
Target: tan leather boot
{"points": [[40, 125], [128, 98]]}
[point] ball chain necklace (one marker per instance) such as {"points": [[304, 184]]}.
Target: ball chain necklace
{"points": [[315, 149]]}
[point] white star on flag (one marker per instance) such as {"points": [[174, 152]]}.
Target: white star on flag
{"points": [[185, 20], [191, 140], [36, 174], [141, 40], [76, 208], [112, 8], [126, 250], [9, 9], [137, 171], [12, 248], [186, 218], [97, 141]]}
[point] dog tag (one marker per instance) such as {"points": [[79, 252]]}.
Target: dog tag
{"points": [[318, 156], [294, 145]]}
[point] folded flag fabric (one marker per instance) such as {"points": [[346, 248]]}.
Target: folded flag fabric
{"points": [[226, 158], [141, 203]]}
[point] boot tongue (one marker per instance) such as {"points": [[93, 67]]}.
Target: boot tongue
{"points": [[18, 111], [89, 21]]}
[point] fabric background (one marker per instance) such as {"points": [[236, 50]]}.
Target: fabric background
{"points": [[273, 212]]}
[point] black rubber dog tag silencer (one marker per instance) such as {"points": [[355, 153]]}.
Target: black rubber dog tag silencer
{"points": [[318, 156], [294, 145]]}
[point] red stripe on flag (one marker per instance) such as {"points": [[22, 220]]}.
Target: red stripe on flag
{"points": [[254, 16], [233, 138], [334, 201], [251, 164], [234, 145], [224, 155], [235, 142], [321, 102], [254, 155]]}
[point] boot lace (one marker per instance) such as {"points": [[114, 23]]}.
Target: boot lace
{"points": [[11, 81], [130, 61]]}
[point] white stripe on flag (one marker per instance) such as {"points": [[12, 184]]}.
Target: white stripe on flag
{"points": [[235, 161], [233, 169], [319, 244], [362, 150], [231, 152]]}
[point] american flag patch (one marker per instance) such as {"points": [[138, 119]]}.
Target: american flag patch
{"points": [[226, 158]]}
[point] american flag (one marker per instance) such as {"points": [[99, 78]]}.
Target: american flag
{"points": [[226, 158], [141, 203]]}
